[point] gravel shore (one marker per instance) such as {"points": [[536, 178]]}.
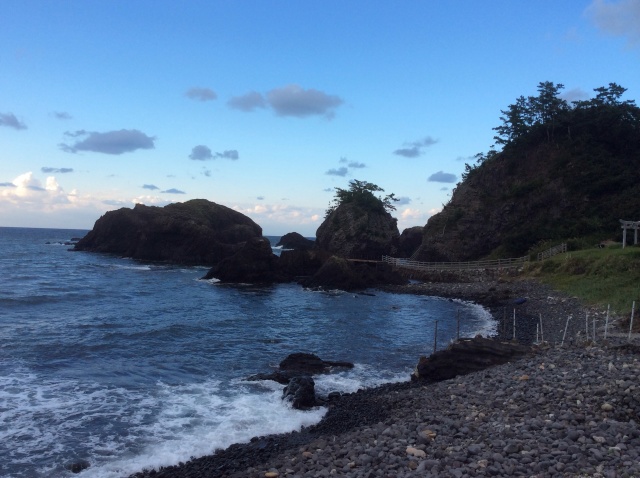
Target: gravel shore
{"points": [[562, 411]]}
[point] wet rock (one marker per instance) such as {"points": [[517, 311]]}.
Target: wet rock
{"points": [[300, 392], [78, 466]]}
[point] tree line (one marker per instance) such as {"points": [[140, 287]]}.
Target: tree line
{"points": [[550, 118]]}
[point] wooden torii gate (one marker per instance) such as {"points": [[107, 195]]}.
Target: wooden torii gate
{"points": [[629, 225]]}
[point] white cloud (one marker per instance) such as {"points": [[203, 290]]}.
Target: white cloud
{"points": [[409, 217], [10, 120], [248, 102], [201, 94], [293, 100], [278, 219], [619, 18], [415, 148], [204, 153], [111, 142], [342, 171], [442, 177]]}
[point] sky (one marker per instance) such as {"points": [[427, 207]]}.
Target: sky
{"points": [[267, 106]]}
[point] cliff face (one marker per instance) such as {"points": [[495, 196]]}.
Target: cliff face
{"points": [[538, 191], [356, 232], [194, 232]]}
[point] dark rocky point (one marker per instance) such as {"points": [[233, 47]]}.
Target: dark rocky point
{"points": [[196, 232]]}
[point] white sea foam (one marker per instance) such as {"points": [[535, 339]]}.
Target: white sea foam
{"points": [[164, 426], [133, 268], [486, 324], [194, 420], [361, 376]]}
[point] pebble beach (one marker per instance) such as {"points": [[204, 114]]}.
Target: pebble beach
{"points": [[571, 408]]}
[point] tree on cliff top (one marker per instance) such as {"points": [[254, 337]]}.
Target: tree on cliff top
{"points": [[362, 194]]}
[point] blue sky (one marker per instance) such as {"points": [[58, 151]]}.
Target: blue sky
{"points": [[267, 106]]}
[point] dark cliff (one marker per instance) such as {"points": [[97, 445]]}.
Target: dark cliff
{"points": [[574, 176]]}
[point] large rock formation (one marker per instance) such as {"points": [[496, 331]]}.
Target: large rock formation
{"points": [[410, 240], [574, 176], [358, 232], [196, 232], [339, 273], [300, 264], [254, 263]]}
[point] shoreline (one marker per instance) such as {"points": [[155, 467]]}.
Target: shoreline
{"points": [[378, 411]]}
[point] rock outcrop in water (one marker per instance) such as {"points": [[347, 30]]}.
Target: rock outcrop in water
{"points": [[338, 273], [300, 364], [295, 241], [295, 372], [358, 232], [196, 232], [255, 262]]}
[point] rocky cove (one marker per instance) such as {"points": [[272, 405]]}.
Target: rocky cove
{"points": [[567, 410]]}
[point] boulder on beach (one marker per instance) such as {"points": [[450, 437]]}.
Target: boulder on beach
{"points": [[196, 232], [467, 356]]}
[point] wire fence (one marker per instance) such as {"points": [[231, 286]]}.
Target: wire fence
{"points": [[456, 266]]}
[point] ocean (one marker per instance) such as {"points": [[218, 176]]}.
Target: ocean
{"points": [[126, 365]]}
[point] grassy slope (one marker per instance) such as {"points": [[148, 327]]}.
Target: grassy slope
{"points": [[609, 276]]}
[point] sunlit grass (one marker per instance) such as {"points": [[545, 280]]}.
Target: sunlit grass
{"points": [[609, 276]]}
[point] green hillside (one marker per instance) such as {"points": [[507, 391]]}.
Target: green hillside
{"points": [[564, 171]]}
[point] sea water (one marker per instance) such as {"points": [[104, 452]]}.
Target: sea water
{"points": [[127, 365]]}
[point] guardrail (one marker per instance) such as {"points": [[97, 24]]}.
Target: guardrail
{"points": [[456, 266], [555, 250]]}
